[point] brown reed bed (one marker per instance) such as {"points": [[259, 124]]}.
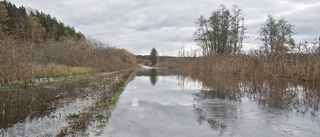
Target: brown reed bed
{"points": [[299, 66]]}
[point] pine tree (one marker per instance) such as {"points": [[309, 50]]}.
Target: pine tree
{"points": [[3, 18], [153, 56]]}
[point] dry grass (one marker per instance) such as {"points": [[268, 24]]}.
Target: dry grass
{"points": [[293, 66], [21, 60], [54, 70]]}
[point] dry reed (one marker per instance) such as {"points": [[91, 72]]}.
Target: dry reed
{"points": [[21, 61], [300, 65]]}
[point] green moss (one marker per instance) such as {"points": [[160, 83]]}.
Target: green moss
{"points": [[99, 116], [73, 116]]}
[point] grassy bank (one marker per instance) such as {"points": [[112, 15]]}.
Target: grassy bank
{"points": [[54, 70], [42, 71], [23, 62]]}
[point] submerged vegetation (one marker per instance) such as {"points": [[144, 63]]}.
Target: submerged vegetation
{"points": [[35, 101], [34, 45], [70, 106], [97, 115]]}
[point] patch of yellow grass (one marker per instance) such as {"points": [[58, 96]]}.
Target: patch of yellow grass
{"points": [[54, 70]]}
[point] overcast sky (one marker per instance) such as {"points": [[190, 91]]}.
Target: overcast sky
{"points": [[140, 25]]}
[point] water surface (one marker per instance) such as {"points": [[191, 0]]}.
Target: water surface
{"points": [[158, 103], [167, 103]]}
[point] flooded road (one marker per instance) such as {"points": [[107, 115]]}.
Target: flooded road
{"points": [[158, 103], [163, 103]]}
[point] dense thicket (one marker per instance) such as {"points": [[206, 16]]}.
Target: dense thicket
{"points": [[37, 45], [222, 33]]}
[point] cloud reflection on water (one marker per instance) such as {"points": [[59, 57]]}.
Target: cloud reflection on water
{"points": [[215, 104]]}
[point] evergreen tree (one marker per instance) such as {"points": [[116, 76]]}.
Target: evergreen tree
{"points": [[3, 18], [153, 56]]}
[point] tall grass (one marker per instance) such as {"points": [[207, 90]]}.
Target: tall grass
{"points": [[22, 60], [54, 70], [303, 64]]}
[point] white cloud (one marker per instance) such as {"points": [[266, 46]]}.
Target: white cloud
{"points": [[139, 25]]}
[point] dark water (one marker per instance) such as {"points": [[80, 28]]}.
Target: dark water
{"points": [[158, 103]]}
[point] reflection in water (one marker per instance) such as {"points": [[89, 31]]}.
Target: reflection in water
{"points": [[152, 73], [219, 111], [216, 103], [213, 104], [18, 104], [204, 104], [275, 96], [153, 76], [48, 108], [271, 94]]}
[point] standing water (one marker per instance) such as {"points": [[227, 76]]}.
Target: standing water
{"points": [[162, 104]]}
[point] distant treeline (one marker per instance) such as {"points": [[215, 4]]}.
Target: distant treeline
{"points": [[37, 45], [147, 57], [162, 59]]}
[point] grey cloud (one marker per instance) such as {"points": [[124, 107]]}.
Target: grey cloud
{"points": [[139, 25]]}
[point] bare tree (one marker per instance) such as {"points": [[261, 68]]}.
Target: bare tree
{"points": [[276, 35], [222, 33]]}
